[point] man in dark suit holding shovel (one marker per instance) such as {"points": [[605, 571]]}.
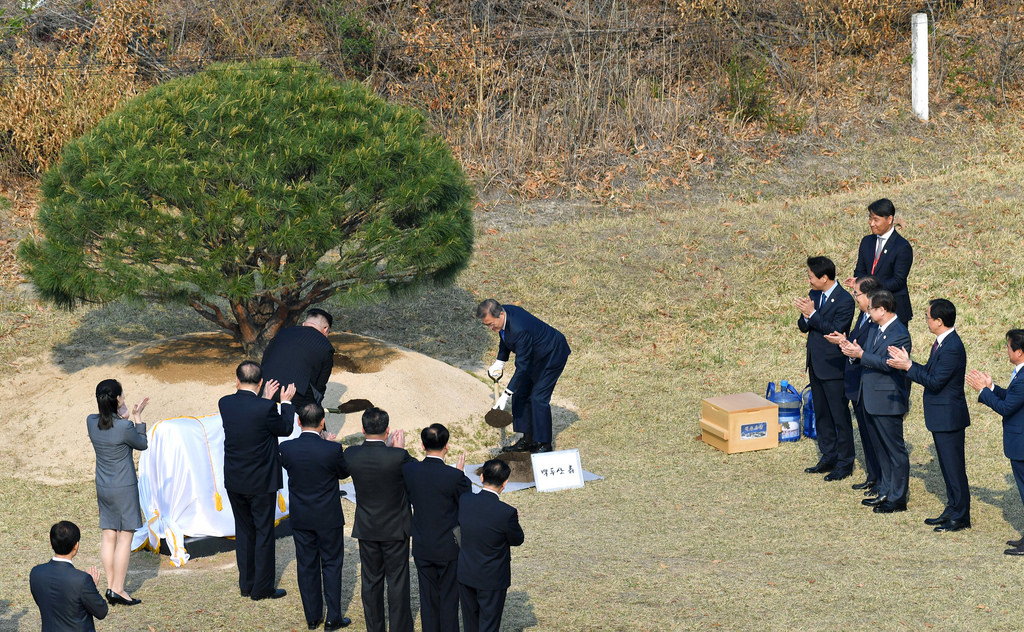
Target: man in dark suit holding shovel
{"points": [[541, 353]]}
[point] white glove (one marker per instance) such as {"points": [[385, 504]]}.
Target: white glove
{"points": [[502, 400], [496, 369]]}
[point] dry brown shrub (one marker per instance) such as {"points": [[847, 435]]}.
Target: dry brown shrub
{"points": [[54, 91]]}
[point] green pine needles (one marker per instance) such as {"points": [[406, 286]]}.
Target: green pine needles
{"points": [[268, 185]]}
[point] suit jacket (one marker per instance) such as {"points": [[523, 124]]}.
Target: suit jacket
{"points": [[251, 428], [537, 345], [851, 379], [302, 356], [382, 507], [883, 389], [892, 270], [114, 464], [1009, 402], [314, 467], [945, 406], [434, 490], [67, 597], [825, 359], [489, 527]]}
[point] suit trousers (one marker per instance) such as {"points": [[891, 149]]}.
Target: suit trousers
{"points": [[893, 456], [531, 403], [949, 446], [319, 556], [481, 609], [439, 595], [379, 560], [867, 444], [254, 541], [832, 420], [1018, 475]]}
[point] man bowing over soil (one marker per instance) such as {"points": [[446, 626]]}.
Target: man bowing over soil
{"points": [[541, 352]]}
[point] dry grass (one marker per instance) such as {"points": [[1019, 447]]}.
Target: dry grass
{"points": [[679, 299]]}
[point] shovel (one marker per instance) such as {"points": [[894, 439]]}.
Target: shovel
{"points": [[498, 418]]}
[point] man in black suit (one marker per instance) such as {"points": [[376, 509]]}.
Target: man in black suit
{"points": [[303, 356], [252, 473], [67, 597], [945, 409], [434, 490], [862, 328], [488, 528], [383, 522], [541, 353], [314, 467], [886, 255], [828, 309], [884, 392]]}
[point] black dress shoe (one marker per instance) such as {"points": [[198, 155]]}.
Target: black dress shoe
{"points": [[874, 502], [523, 445], [277, 594], [1017, 550], [337, 625], [837, 475], [868, 484], [954, 525], [115, 599], [539, 448], [888, 507], [940, 519], [1015, 543], [819, 468], [313, 626]]}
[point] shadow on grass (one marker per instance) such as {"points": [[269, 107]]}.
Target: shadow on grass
{"points": [[1007, 499], [436, 321], [143, 565], [8, 618], [561, 418], [931, 475], [104, 331], [518, 614]]}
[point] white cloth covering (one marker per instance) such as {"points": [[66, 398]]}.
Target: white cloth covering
{"points": [[181, 485]]}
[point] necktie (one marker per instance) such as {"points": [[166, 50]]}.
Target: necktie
{"points": [[821, 301], [1015, 371], [935, 345], [878, 252], [501, 334]]}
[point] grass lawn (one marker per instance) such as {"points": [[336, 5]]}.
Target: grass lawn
{"points": [[676, 299]]}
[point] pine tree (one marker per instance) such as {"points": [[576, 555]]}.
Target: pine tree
{"points": [[263, 187]]}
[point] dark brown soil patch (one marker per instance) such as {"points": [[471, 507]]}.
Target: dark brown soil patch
{"points": [[356, 354], [521, 464], [498, 418], [354, 406], [211, 358]]}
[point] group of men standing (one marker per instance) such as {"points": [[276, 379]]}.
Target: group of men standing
{"points": [[460, 540], [869, 365]]}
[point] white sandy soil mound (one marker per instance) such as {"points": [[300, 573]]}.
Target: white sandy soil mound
{"points": [[46, 436]]}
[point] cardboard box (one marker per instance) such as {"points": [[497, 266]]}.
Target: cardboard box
{"points": [[739, 423]]}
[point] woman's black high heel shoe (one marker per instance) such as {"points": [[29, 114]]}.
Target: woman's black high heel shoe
{"points": [[115, 599]]}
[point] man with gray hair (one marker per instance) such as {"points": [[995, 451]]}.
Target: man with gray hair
{"points": [[541, 353]]}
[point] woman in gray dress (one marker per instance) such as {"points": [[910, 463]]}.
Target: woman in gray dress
{"points": [[117, 488]]}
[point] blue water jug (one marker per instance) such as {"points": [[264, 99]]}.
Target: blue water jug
{"points": [[810, 429], [788, 400]]}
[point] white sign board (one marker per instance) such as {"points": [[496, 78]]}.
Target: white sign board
{"points": [[553, 471]]}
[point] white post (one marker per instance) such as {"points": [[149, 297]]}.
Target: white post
{"points": [[919, 70]]}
